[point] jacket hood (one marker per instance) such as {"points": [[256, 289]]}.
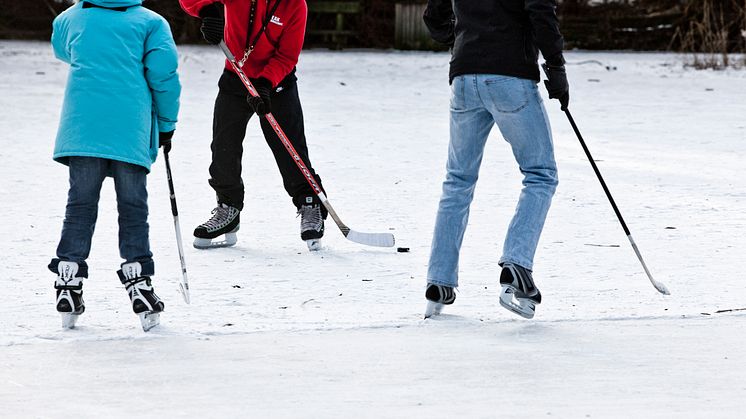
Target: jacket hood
{"points": [[115, 3]]}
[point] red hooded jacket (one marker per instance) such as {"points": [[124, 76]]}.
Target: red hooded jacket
{"points": [[277, 50]]}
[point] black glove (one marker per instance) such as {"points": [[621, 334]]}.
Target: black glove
{"points": [[556, 84], [213, 23], [164, 140], [261, 104]]}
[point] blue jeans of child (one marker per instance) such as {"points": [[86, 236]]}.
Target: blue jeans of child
{"points": [[478, 102], [130, 182]]}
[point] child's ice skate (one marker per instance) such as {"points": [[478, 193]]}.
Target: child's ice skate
{"points": [[437, 296], [225, 220], [145, 303], [69, 288], [519, 294]]}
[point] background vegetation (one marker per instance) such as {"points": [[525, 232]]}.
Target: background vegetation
{"points": [[707, 29]]}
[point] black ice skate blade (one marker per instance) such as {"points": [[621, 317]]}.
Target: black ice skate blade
{"points": [[523, 307], [69, 320], [313, 244], [149, 320], [433, 309]]}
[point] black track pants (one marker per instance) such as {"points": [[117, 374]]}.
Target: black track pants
{"points": [[232, 114]]}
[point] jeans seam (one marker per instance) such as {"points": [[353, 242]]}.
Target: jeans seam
{"points": [[524, 264], [459, 89], [476, 89], [442, 283]]}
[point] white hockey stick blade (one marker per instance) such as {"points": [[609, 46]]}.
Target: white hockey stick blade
{"points": [[371, 239], [659, 286]]}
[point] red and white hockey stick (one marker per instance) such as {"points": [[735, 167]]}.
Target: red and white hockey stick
{"points": [[369, 239]]}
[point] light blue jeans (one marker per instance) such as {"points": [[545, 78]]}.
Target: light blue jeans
{"points": [[477, 103]]}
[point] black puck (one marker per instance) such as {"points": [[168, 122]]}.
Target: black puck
{"points": [[402, 249]]}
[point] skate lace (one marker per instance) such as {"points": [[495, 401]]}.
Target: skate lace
{"points": [[310, 218], [222, 215], [67, 278]]}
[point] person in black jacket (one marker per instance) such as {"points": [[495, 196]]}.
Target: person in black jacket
{"points": [[494, 74]]}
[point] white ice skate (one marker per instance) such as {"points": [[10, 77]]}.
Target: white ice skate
{"points": [[145, 303], [69, 288]]}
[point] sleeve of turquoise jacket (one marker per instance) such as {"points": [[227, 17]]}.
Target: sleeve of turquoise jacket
{"points": [[59, 39], [161, 61]]}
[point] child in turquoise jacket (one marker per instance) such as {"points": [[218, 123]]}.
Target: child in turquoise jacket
{"points": [[121, 103]]}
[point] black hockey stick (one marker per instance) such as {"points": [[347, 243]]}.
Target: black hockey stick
{"points": [[658, 286], [369, 239], [184, 283]]}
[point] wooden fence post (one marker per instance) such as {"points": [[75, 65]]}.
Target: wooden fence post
{"points": [[410, 29]]}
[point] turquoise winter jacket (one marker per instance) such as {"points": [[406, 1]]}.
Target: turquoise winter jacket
{"points": [[122, 88]]}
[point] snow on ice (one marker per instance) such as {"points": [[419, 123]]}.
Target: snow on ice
{"points": [[276, 331]]}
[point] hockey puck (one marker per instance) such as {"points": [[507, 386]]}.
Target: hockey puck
{"points": [[402, 249]]}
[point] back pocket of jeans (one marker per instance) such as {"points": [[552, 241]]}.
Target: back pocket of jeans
{"points": [[508, 94]]}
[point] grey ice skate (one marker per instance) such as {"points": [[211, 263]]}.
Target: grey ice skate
{"points": [[225, 221], [311, 225]]}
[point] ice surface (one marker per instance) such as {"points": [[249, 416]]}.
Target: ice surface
{"points": [[277, 331]]}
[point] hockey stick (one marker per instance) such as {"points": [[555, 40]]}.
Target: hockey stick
{"points": [[658, 286], [369, 239], [184, 283]]}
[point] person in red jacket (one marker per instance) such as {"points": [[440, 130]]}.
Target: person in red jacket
{"points": [[266, 37]]}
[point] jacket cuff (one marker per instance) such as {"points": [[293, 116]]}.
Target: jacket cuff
{"points": [[166, 126], [211, 10], [556, 60], [270, 78]]}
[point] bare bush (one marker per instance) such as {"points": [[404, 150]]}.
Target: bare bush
{"points": [[711, 32]]}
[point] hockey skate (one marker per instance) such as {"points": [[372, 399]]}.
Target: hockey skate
{"points": [[145, 303], [438, 296], [518, 294], [69, 288], [311, 224], [225, 220]]}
